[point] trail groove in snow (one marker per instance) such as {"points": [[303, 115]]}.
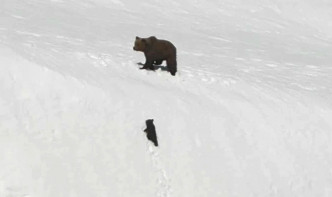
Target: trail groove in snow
{"points": [[164, 186]]}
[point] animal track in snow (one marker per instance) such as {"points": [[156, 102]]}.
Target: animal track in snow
{"points": [[164, 186]]}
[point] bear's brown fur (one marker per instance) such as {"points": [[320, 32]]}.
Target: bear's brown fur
{"points": [[156, 51]]}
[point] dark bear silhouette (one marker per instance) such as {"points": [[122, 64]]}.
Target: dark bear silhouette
{"points": [[151, 131], [156, 51]]}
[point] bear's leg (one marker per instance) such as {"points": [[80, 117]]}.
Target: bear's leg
{"points": [[171, 65], [158, 62], [152, 136], [148, 65]]}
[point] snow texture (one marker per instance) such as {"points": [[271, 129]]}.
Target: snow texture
{"points": [[249, 113]]}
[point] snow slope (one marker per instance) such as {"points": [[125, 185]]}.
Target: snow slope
{"points": [[248, 114]]}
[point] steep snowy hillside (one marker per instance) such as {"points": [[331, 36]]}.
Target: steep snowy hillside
{"points": [[248, 113]]}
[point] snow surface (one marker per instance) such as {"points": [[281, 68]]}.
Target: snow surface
{"points": [[249, 113]]}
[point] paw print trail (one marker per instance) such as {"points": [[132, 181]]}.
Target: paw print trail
{"points": [[164, 188]]}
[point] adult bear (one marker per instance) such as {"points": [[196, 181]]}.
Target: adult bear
{"points": [[156, 51]]}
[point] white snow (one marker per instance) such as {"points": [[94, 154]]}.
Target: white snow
{"points": [[249, 113]]}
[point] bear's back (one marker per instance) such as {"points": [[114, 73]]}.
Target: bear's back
{"points": [[163, 47]]}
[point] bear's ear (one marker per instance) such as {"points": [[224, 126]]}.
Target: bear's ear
{"points": [[137, 38], [153, 37]]}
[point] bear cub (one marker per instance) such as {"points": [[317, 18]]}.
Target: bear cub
{"points": [[156, 51], [151, 131]]}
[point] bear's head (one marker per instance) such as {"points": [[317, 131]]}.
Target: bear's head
{"points": [[149, 121], [144, 44], [140, 44]]}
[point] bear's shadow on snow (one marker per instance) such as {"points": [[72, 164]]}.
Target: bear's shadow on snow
{"points": [[156, 67]]}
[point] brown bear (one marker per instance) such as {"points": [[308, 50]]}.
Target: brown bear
{"points": [[156, 51]]}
